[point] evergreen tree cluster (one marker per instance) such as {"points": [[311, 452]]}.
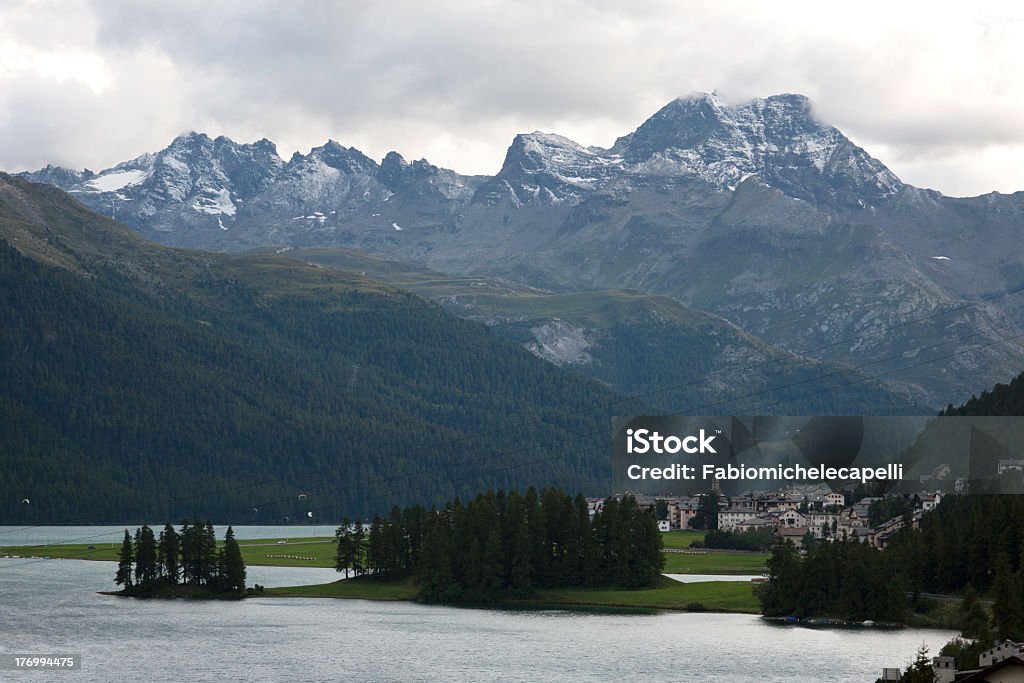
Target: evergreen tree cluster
{"points": [[506, 545], [968, 544], [147, 565], [974, 541], [844, 579]]}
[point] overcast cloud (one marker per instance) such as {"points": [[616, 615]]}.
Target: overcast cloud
{"points": [[936, 92]]}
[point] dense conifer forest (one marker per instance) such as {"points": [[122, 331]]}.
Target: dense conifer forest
{"points": [[503, 545], [141, 382]]}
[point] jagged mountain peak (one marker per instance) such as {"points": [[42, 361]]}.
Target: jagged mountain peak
{"points": [[547, 168], [337, 156], [778, 138], [395, 171]]}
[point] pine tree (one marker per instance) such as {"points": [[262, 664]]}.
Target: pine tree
{"points": [[232, 575], [343, 559], [921, 671], [521, 570], [145, 557], [438, 581], [189, 554], [1008, 605], [707, 512], [168, 550], [358, 543], [208, 553], [493, 566], [124, 563]]}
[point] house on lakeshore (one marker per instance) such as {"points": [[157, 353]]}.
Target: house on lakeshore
{"points": [[944, 668], [1009, 670], [999, 652], [1003, 663]]}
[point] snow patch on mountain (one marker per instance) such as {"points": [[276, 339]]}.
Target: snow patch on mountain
{"points": [[215, 202], [116, 180]]}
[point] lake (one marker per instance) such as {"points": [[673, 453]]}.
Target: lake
{"points": [[52, 606]]}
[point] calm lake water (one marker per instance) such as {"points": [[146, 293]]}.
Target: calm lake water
{"points": [[51, 606]]}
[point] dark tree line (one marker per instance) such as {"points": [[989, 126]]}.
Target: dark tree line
{"points": [[969, 542], [845, 579], [967, 545], [148, 565], [752, 539], [506, 545]]}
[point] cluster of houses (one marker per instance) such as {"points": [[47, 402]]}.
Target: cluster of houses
{"points": [[791, 514], [1002, 663]]}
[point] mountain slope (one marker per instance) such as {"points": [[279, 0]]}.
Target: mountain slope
{"points": [[144, 383], [679, 359]]}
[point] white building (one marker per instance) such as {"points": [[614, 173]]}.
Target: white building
{"points": [[729, 520], [835, 498], [1001, 651]]}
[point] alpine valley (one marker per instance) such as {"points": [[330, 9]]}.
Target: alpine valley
{"points": [[367, 332], [755, 220]]}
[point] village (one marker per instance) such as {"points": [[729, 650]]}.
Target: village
{"points": [[792, 513]]}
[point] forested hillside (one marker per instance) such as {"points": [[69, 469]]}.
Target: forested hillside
{"points": [[143, 383], [1003, 399]]}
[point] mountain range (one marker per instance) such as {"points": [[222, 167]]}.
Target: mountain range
{"points": [[758, 214]]}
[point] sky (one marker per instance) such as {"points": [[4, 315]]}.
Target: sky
{"points": [[934, 90]]}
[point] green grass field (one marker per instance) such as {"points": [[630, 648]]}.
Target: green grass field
{"points": [[715, 562], [681, 539], [364, 589], [715, 596], [718, 596]]}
